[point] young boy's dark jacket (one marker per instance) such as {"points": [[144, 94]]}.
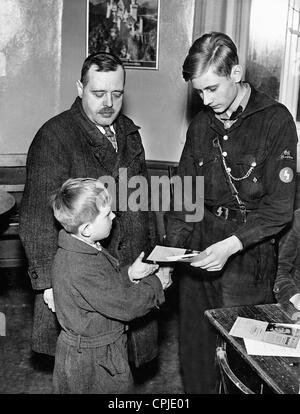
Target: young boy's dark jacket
{"points": [[92, 294]]}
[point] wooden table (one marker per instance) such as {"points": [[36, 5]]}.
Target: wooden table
{"points": [[281, 374]]}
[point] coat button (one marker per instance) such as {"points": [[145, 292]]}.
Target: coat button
{"points": [[121, 246], [225, 137], [34, 275]]}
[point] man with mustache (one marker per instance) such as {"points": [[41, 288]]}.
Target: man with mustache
{"points": [[75, 144]]}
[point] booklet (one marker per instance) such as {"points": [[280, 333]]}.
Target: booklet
{"points": [[166, 254], [269, 332], [254, 347]]}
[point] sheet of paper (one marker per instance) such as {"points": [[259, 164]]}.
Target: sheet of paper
{"points": [[254, 347], [174, 254], [190, 258], [160, 253], [273, 333], [248, 328]]}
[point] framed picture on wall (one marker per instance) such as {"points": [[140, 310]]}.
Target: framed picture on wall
{"points": [[126, 28]]}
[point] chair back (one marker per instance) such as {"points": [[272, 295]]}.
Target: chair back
{"points": [[230, 383], [12, 181]]}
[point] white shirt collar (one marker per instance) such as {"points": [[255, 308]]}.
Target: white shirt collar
{"points": [[103, 131], [96, 245]]}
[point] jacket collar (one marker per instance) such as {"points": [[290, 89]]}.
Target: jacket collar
{"points": [[258, 101], [124, 127], [93, 134], [95, 137], [72, 244]]}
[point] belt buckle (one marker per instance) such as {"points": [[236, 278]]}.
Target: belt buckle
{"points": [[222, 211], [243, 213]]}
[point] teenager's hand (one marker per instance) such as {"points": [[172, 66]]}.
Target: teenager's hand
{"points": [[48, 299], [295, 300], [218, 253], [138, 270]]}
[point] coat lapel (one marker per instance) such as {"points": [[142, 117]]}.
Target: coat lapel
{"points": [[129, 146]]}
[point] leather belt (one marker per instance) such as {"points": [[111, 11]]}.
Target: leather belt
{"points": [[227, 213]]}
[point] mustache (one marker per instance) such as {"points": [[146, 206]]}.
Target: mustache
{"points": [[106, 111]]}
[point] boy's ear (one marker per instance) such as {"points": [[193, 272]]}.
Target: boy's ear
{"points": [[237, 73], [85, 230]]}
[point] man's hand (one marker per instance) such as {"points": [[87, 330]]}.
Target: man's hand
{"points": [[164, 274], [48, 299], [138, 270], [295, 300], [218, 254]]}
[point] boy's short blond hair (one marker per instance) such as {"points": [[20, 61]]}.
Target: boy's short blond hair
{"points": [[79, 201]]}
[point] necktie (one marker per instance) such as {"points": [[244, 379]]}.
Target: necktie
{"points": [[111, 137], [236, 113]]}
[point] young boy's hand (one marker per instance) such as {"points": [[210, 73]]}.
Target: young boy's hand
{"points": [[296, 301], [139, 270], [164, 274], [48, 299]]}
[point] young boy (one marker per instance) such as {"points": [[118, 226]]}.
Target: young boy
{"points": [[94, 298]]}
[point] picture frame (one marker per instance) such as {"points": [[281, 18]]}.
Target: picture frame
{"points": [[127, 28]]}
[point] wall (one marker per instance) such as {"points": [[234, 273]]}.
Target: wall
{"points": [[157, 99], [73, 49], [30, 58], [52, 58]]}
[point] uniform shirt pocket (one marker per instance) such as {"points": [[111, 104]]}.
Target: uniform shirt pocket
{"points": [[248, 174], [214, 180]]}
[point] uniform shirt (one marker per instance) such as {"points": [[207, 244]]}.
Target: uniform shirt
{"points": [[260, 150]]}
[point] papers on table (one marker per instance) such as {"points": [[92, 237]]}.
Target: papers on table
{"points": [[174, 254], [269, 339], [262, 348]]}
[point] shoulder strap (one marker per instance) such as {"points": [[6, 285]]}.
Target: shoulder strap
{"points": [[234, 191]]}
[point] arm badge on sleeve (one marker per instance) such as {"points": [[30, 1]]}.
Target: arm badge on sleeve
{"points": [[286, 155], [286, 175]]}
